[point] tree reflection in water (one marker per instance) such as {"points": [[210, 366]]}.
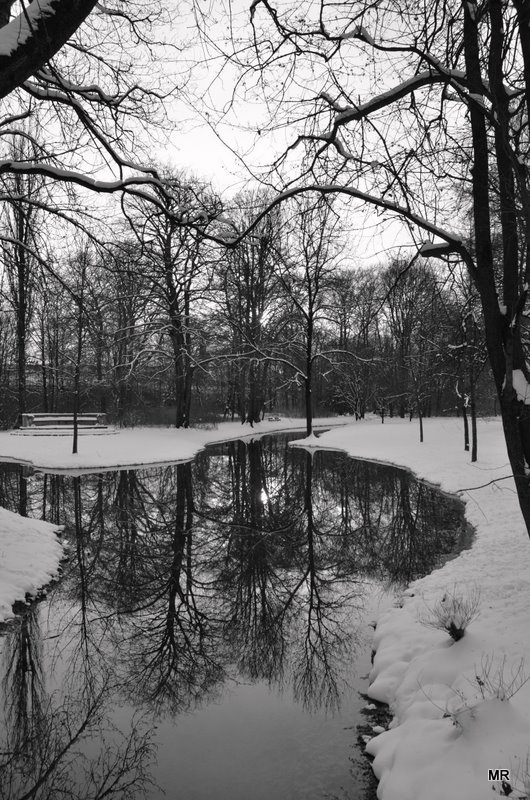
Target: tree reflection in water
{"points": [[42, 753], [253, 557]]}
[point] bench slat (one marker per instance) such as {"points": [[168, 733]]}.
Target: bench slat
{"points": [[41, 419]]}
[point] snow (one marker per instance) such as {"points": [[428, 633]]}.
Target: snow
{"points": [[29, 556], [21, 28], [310, 441], [459, 708], [131, 447], [445, 735], [521, 387], [435, 248], [80, 178], [359, 32], [478, 98]]}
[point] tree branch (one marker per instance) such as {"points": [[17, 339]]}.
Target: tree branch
{"points": [[35, 36]]}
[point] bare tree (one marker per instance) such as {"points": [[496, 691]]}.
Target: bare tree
{"points": [[249, 292], [59, 68], [177, 258], [443, 108], [309, 260]]}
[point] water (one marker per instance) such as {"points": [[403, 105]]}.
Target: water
{"points": [[210, 635]]}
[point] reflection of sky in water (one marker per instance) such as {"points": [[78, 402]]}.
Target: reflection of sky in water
{"points": [[224, 600], [256, 742]]}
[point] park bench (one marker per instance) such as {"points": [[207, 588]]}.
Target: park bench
{"points": [[48, 421]]}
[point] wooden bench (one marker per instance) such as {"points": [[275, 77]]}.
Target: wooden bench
{"points": [[64, 421]]}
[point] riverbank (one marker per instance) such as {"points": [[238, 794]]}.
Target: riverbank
{"points": [[461, 708], [30, 550], [134, 447]]}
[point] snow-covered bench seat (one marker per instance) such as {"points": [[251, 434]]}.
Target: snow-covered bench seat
{"points": [[62, 421]]}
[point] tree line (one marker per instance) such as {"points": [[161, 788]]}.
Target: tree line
{"points": [[164, 325], [440, 117]]}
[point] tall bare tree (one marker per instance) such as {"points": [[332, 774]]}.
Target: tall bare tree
{"points": [[404, 109]]}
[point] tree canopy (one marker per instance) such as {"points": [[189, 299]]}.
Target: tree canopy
{"points": [[406, 111]]}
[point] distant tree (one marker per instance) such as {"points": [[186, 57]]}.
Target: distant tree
{"points": [[122, 331], [175, 257], [355, 306], [21, 223], [308, 261], [249, 291], [444, 107]]}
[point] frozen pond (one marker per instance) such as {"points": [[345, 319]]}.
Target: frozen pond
{"points": [[210, 637]]}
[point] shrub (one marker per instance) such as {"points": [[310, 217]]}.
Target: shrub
{"points": [[493, 681], [453, 613]]}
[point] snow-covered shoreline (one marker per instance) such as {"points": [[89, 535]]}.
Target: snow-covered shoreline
{"points": [[454, 718], [30, 552], [135, 447]]}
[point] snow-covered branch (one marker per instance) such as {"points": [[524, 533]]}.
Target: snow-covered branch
{"points": [[35, 36], [453, 240], [126, 185]]}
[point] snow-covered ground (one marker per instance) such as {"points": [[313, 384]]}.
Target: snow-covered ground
{"points": [[454, 716], [30, 551], [131, 447], [29, 556], [460, 708]]}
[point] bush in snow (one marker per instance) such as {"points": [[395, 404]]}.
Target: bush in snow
{"points": [[492, 682], [453, 613]]}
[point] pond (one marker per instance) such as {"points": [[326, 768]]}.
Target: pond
{"points": [[210, 635]]}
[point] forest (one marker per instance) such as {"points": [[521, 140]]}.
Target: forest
{"points": [[133, 285], [164, 326]]}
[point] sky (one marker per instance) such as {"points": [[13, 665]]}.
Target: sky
{"points": [[232, 144], [226, 133]]}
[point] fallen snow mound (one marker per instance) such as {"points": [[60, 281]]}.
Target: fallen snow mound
{"points": [[29, 557]]}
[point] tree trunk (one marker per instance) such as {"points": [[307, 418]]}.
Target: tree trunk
{"points": [[466, 426], [474, 435], [516, 437], [502, 337], [308, 388], [308, 396], [79, 351], [21, 307]]}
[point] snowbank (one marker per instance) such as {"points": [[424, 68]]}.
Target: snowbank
{"points": [[29, 549], [460, 708], [29, 556], [131, 447], [454, 716]]}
